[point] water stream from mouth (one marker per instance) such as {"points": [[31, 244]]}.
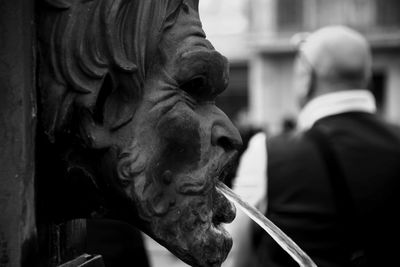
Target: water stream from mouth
{"points": [[277, 234]]}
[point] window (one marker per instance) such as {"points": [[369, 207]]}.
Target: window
{"points": [[388, 13], [290, 14]]}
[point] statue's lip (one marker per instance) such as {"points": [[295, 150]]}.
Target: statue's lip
{"points": [[223, 210], [224, 169]]}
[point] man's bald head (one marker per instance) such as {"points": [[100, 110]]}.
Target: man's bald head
{"points": [[339, 57]]}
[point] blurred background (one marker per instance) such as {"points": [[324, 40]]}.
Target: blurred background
{"points": [[257, 38]]}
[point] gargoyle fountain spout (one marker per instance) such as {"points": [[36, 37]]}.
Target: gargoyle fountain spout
{"points": [[127, 93], [127, 105]]}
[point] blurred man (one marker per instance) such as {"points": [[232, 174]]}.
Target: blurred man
{"points": [[333, 187]]}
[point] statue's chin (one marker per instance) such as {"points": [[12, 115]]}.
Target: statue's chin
{"points": [[212, 250], [205, 248]]}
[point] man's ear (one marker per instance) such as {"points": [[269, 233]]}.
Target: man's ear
{"points": [[311, 82], [114, 108], [304, 83]]}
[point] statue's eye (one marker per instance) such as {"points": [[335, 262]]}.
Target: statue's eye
{"points": [[198, 87], [185, 7]]}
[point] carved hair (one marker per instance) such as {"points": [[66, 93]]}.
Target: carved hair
{"points": [[90, 45]]}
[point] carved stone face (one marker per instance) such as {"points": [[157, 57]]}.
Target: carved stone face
{"points": [[164, 161], [181, 144]]}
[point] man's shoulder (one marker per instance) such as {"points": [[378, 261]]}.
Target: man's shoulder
{"points": [[294, 138], [293, 144], [362, 127], [395, 128]]}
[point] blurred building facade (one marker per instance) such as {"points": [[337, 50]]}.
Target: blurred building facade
{"points": [[256, 36]]}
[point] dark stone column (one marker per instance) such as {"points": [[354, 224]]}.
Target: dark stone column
{"points": [[17, 133]]}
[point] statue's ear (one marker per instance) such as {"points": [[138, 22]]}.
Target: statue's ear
{"points": [[115, 106]]}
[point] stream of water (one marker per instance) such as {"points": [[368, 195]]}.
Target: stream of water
{"points": [[277, 234]]}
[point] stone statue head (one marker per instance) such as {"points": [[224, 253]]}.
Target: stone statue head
{"points": [[128, 92]]}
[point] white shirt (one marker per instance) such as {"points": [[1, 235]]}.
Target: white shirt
{"points": [[248, 183], [336, 103]]}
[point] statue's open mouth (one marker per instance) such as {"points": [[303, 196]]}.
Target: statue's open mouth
{"points": [[223, 210]]}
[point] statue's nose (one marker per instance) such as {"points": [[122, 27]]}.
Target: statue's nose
{"points": [[225, 134]]}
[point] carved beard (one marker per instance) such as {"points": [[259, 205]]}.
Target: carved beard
{"points": [[174, 192]]}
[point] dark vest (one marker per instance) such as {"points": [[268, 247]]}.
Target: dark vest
{"points": [[300, 196]]}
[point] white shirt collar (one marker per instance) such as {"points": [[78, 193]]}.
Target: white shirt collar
{"points": [[336, 103]]}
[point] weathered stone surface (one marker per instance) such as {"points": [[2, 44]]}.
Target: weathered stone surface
{"points": [[127, 104], [17, 133]]}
